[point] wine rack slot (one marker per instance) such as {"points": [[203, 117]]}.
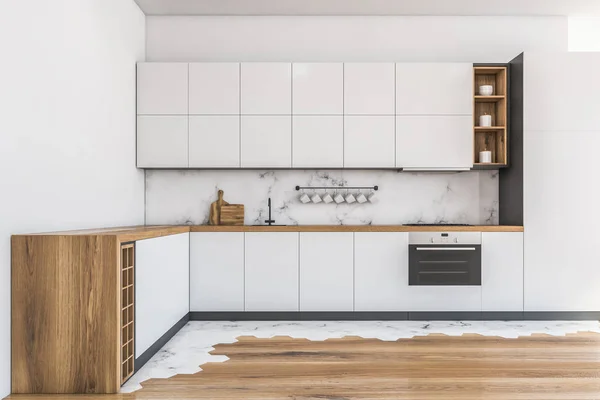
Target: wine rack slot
{"points": [[127, 311]]}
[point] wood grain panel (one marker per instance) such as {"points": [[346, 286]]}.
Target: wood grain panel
{"points": [[432, 367], [65, 314]]}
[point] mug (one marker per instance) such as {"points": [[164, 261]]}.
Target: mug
{"points": [[361, 198], [304, 198], [339, 198], [327, 198], [316, 198], [350, 198], [373, 198]]}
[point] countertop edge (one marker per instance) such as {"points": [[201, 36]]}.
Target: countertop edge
{"points": [[133, 233], [356, 228]]}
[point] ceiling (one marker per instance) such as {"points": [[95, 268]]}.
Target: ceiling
{"points": [[371, 7]]}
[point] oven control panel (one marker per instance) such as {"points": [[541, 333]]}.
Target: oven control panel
{"points": [[444, 238]]}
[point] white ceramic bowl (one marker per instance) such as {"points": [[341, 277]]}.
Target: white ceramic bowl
{"points": [[486, 90]]}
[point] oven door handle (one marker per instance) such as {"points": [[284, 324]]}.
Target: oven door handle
{"points": [[445, 248]]}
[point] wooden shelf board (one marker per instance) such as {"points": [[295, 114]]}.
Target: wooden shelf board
{"points": [[489, 128], [488, 70], [489, 99]]}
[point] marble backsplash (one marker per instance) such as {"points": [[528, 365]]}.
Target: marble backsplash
{"points": [[176, 197]]}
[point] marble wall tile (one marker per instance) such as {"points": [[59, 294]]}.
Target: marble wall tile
{"points": [[184, 196]]}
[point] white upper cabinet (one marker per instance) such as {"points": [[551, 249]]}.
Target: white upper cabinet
{"points": [[266, 141], [271, 277], [266, 88], [434, 142], [162, 88], [561, 92], [502, 271], [434, 89], [318, 88], [215, 88], [214, 141], [369, 142], [318, 141], [326, 271], [381, 271], [369, 88], [162, 141]]}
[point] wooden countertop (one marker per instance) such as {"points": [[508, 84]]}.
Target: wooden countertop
{"points": [[356, 228], [123, 234], [133, 233]]}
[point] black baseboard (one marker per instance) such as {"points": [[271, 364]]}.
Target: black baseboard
{"points": [[152, 350], [397, 316]]}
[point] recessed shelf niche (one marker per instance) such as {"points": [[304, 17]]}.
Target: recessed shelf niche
{"points": [[492, 138]]}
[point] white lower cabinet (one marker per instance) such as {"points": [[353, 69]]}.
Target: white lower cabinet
{"points": [[502, 271], [381, 271], [217, 271], [162, 287], [444, 298], [162, 141], [271, 271], [326, 271]]}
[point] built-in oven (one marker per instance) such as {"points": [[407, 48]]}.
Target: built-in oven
{"points": [[444, 258]]}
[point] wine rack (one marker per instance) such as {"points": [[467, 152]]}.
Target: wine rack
{"points": [[127, 311]]}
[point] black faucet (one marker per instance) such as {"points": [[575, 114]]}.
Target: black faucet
{"points": [[270, 221]]}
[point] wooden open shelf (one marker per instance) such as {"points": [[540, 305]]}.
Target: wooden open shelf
{"points": [[489, 99], [127, 311], [492, 138]]}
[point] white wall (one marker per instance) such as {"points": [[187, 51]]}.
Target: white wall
{"points": [[67, 131], [471, 39], [584, 33]]}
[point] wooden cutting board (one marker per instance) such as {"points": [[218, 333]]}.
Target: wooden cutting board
{"points": [[232, 214]]}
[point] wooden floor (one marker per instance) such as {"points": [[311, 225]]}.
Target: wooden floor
{"points": [[428, 368]]}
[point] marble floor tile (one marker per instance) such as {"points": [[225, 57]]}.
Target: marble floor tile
{"points": [[191, 346]]}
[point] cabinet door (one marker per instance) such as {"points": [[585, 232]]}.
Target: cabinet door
{"points": [[434, 142], [444, 298], [369, 88], [271, 271], [318, 141], [326, 271], [162, 142], [217, 271], [162, 89], [502, 271], [434, 88], [215, 88], [214, 141], [559, 94], [318, 88], [562, 239], [266, 142], [369, 142], [162, 287], [266, 88], [381, 271]]}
